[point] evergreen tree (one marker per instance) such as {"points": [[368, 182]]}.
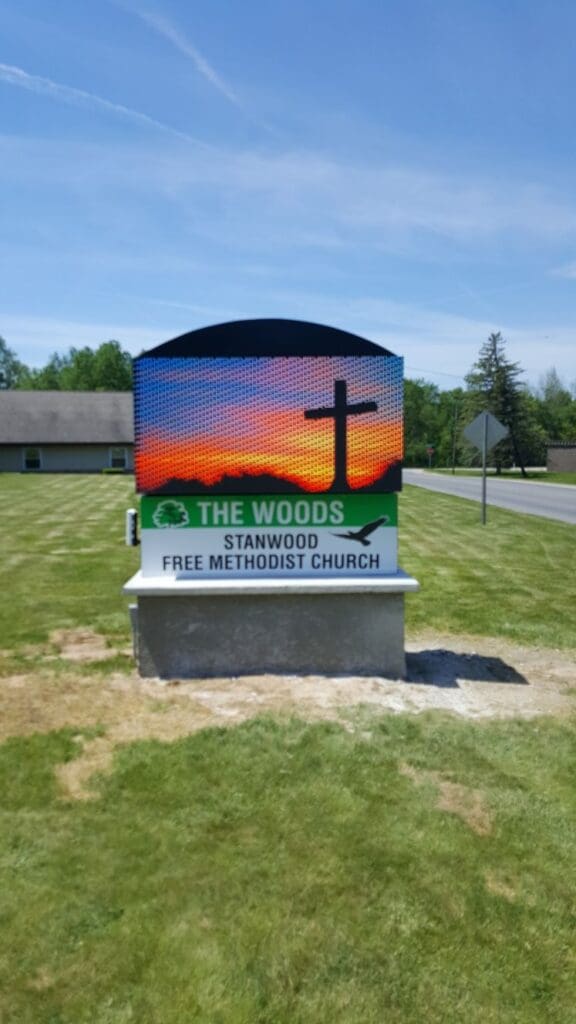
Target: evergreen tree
{"points": [[493, 385]]}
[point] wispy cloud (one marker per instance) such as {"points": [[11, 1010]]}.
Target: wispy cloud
{"points": [[179, 40], [174, 35], [432, 342], [210, 312], [79, 98], [35, 338], [332, 199], [568, 271], [307, 199]]}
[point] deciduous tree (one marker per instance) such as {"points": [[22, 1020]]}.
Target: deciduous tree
{"points": [[12, 371], [556, 408], [108, 368]]}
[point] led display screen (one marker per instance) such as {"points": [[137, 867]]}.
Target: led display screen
{"points": [[270, 423]]}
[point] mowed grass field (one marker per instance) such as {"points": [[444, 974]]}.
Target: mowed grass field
{"points": [[403, 869], [538, 475], [63, 556], [64, 563], [512, 578]]}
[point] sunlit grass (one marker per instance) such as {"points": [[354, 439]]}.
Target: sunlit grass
{"points": [[279, 872], [538, 475], [63, 555], [64, 563], [512, 577], [293, 874]]}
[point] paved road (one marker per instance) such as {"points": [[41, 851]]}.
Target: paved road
{"points": [[553, 501]]}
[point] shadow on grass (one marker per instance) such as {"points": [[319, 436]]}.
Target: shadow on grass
{"points": [[447, 668]]}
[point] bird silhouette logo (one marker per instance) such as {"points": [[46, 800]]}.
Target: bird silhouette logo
{"points": [[362, 535]]}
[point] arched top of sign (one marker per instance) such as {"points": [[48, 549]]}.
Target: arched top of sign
{"points": [[266, 338]]}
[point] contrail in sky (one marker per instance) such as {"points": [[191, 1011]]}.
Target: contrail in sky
{"points": [[164, 28], [80, 98], [159, 24]]}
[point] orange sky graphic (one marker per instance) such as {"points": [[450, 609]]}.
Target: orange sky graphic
{"points": [[282, 445]]}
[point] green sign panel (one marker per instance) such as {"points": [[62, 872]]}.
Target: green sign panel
{"points": [[344, 510]]}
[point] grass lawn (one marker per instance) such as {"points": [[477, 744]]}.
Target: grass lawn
{"points": [[403, 870], [65, 562], [284, 873], [540, 476], [513, 577]]}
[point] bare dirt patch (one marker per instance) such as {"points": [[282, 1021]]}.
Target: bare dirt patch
{"points": [[468, 804], [42, 980], [80, 645], [499, 886], [475, 678]]}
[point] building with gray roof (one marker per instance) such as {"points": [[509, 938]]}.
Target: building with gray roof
{"points": [[66, 431]]}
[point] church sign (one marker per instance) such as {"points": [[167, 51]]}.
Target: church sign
{"points": [[268, 448], [269, 536]]}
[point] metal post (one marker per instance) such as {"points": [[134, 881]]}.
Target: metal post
{"points": [[484, 451], [454, 426]]}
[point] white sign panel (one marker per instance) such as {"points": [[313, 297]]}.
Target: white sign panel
{"points": [[277, 536]]}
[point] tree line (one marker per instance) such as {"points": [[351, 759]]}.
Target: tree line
{"points": [[534, 416], [433, 419], [107, 368]]}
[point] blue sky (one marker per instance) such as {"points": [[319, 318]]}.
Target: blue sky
{"points": [[403, 169]]}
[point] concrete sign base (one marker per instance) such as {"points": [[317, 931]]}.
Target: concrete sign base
{"points": [[187, 629]]}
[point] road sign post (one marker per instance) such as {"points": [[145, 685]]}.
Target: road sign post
{"points": [[484, 432], [484, 454]]}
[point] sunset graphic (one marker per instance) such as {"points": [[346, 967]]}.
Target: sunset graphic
{"points": [[268, 424]]}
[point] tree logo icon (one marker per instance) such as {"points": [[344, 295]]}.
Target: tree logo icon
{"points": [[170, 515]]}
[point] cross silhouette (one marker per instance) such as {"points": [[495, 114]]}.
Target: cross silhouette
{"points": [[340, 412]]}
